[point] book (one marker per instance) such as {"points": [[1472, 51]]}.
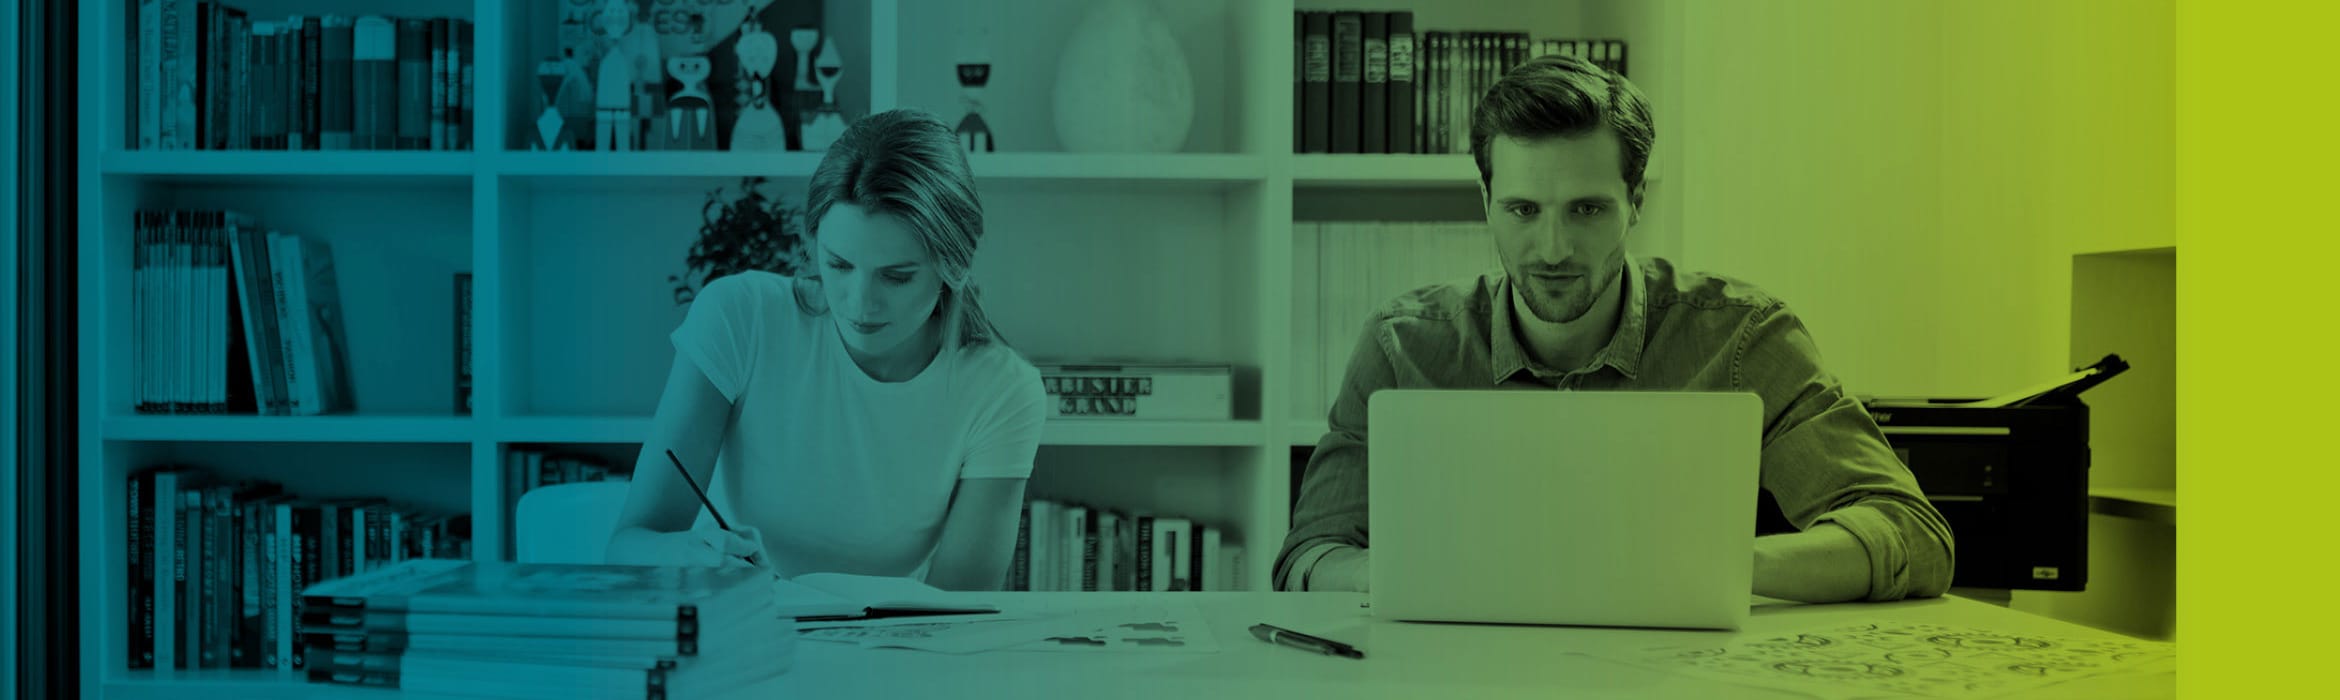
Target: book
{"points": [[436, 47], [411, 103], [1348, 45], [464, 61], [149, 75], [310, 88], [1316, 92], [516, 598], [1403, 128], [374, 83], [1373, 87], [336, 132], [836, 596]]}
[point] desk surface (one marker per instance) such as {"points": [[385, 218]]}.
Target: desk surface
{"points": [[1403, 659]]}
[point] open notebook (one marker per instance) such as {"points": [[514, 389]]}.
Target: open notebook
{"points": [[831, 596]]}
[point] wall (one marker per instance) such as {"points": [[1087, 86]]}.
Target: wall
{"points": [[1915, 179]]}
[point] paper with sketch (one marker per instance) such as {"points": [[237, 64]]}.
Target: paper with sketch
{"points": [[1902, 659], [1177, 627]]}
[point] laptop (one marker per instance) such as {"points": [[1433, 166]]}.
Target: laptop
{"points": [[1618, 509]]}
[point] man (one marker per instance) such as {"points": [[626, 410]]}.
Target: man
{"points": [[1561, 146]]}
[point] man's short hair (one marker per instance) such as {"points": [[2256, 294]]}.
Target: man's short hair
{"points": [[1558, 95]]}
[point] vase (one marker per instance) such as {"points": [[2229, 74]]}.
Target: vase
{"points": [[1122, 84]]}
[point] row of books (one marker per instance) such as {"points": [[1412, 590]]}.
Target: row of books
{"points": [[1344, 271], [228, 317], [211, 77], [505, 630], [1366, 82], [1063, 546], [216, 566]]}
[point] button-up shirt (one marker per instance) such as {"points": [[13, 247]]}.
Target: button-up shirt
{"points": [[1823, 458]]}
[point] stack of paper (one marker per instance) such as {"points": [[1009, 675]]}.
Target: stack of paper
{"points": [[555, 631]]}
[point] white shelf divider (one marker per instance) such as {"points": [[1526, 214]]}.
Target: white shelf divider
{"points": [[331, 428], [1135, 433]]}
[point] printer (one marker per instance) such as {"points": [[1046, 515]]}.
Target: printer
{"points": [[2009, 474]]}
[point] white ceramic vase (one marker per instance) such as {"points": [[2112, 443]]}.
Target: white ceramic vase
{"points": [[1122, 85]]}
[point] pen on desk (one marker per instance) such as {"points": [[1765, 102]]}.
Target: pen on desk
{"points": [[1278, 635], [703, 500]]}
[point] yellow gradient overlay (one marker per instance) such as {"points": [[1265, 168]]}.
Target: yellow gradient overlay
{"points": [[2255, 394]]}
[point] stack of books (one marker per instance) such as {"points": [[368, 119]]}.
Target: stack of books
{"points": [[556, 631]]}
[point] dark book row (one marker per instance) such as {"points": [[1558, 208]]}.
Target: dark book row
{"points": [[528, 468], [209, 76], [217, 566], [228, 317], [1367, 82], [1064, 546]]}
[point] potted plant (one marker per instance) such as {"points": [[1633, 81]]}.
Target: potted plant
{"points": [[752, 230]]}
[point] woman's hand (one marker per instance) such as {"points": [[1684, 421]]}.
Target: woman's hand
{"points": [[699, 547]]}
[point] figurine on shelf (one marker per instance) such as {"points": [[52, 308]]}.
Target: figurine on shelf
{"points": [[758, 127], [550, 126], [827, 123], [973, 132], [628, 72], [690, 113]]}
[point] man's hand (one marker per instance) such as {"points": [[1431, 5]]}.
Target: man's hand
{"points": [[1825, 564], [1342, 569]]}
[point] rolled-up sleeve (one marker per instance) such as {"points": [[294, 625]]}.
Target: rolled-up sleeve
{"points": [[1331, 509], [1824, 460]]}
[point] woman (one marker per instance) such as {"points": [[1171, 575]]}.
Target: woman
{"points": [[865, 419]]}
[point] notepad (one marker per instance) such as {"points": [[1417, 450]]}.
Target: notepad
{"points": [[830, 596]]}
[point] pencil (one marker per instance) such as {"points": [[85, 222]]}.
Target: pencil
{"points": [[703, 500]]}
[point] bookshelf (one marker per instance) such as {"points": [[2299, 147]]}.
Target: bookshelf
{"points": [[1160, 257]]}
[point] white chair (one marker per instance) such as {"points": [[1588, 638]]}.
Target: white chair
{"points": [[567, 523]]}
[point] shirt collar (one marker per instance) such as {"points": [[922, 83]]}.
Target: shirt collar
{"points": [[1622, 352]]}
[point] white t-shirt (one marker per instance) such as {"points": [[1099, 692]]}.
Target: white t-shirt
{"points": [[839, 471]]}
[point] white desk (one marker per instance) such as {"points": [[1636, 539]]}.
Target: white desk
{"points": [[1403, 660]]}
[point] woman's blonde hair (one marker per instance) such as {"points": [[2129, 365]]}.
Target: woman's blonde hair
{"points": [[907, 164]]}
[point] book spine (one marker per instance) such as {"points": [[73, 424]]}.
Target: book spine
{"points": [[207, 65], [221, 576], [333, 85], [1373, 90], [296, 114], [190, 579], [1143, 564], [167, 545], [464, 51], [1299, 80], [289, 324], [150, 79], [308, 566], [1089, 553], [140, 574], [411, 103], [1403, 128], [244, 587], [239, 108], [438, 91], [1316, 97], [312, 63], [1348, 43], [374, 82]]}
